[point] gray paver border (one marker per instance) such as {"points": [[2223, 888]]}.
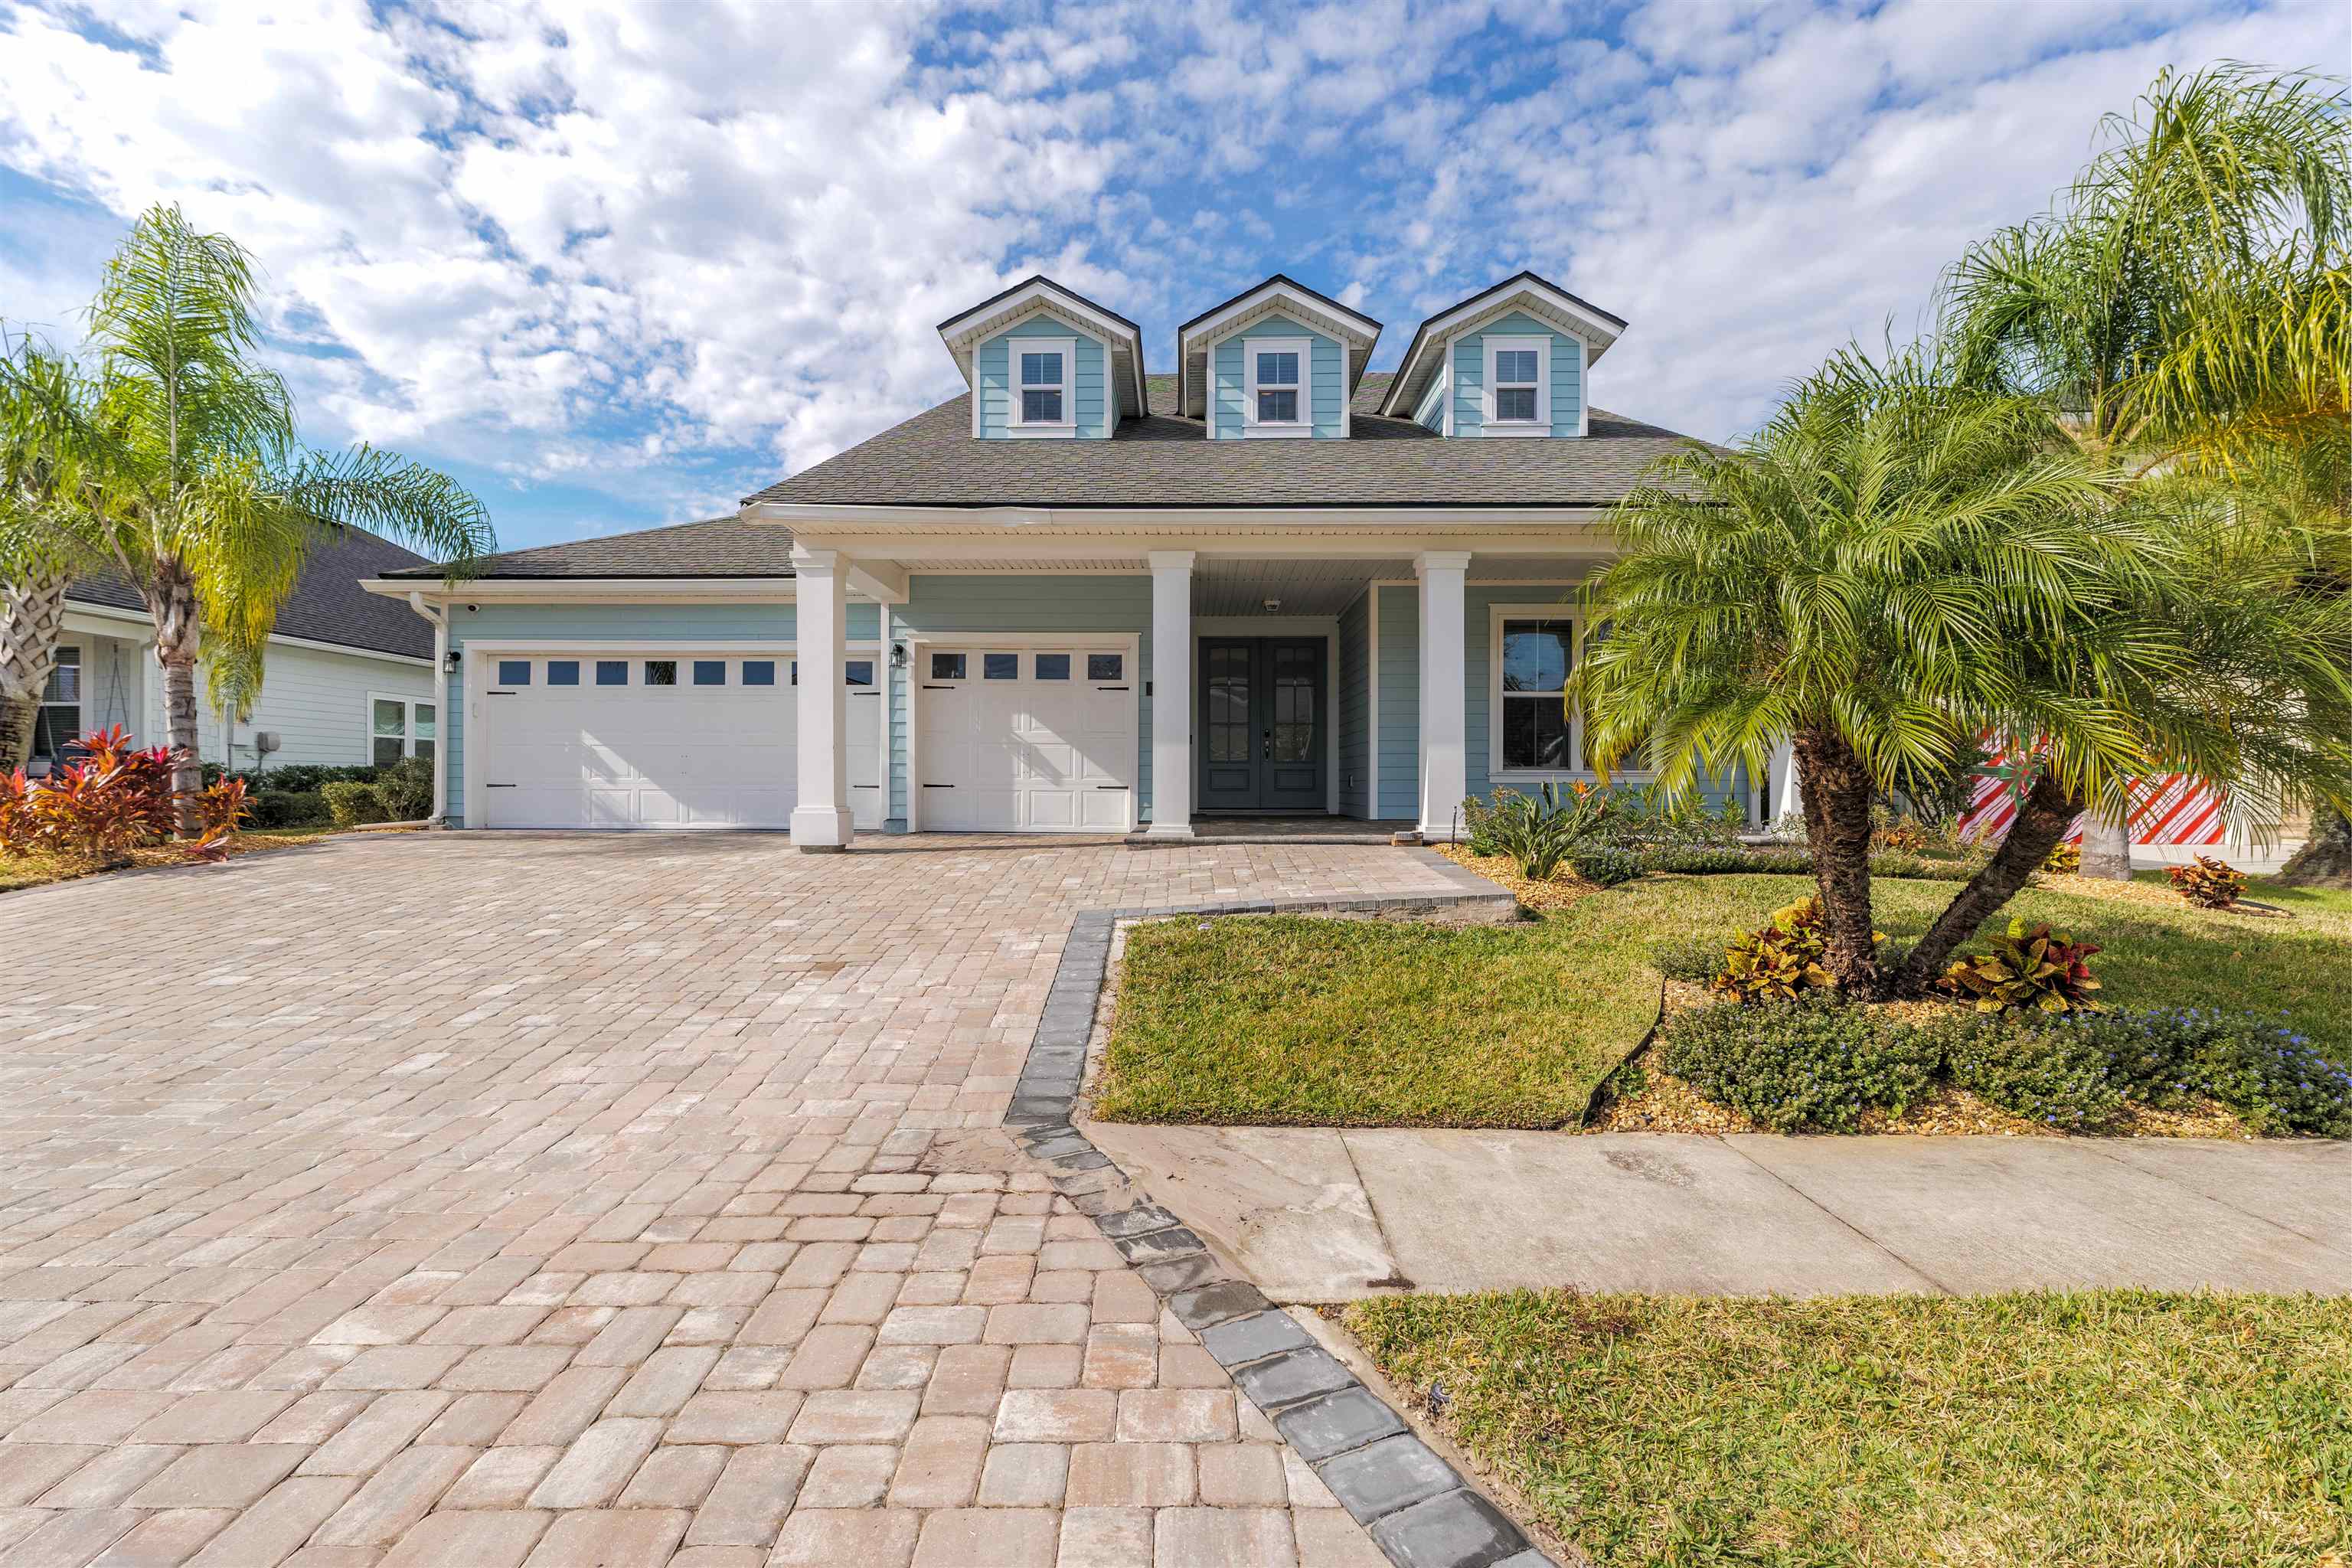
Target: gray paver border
{"points": [[1419, 1511]]}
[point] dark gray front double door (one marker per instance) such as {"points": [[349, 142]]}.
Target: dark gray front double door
{"points": [[1262, 719]]}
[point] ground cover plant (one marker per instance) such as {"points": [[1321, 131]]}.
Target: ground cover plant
{"points": [[2099, 1429], [1301, 1021]]}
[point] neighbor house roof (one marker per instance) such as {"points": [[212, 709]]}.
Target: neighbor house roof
{"points": [[1166, 460], [717, 547], [328, 604]]}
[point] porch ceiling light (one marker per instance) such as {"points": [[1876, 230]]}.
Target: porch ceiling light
{"points": [[1271, 606]]}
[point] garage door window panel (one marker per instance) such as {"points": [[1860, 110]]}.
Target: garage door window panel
{"points": [[563, 672], [612, 672], [661, 672], [759, 672], [711, 673]]}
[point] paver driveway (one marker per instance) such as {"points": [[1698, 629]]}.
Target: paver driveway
{"points": [[468, 1201]]}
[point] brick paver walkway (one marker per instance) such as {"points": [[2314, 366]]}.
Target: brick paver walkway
{"points": [[443, 1202]]}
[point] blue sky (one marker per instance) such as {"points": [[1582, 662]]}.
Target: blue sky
{"points": [[617, 265]]}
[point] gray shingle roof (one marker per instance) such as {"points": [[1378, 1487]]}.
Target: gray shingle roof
{"points": [[1162, 461], [328, 603], [1154, 461], [718, 547]]}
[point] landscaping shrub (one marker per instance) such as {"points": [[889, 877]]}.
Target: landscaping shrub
{"points": [[2032, 966], [1539, 830], [1694, 959], [2210, 884], [305, 778], [1478, 825], [405, 789], [95, 810], [1778, 961], [2061, 1077], [289, 808], [1604, 865], [1797, 1065], [1701, 860], [2275, 1077], [352, 803], [1648, 817], [2065, 861]]}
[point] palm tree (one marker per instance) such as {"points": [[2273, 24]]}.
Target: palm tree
{"points": [[1894, 568], [37, 545], [2184, 302], [175, 464]]}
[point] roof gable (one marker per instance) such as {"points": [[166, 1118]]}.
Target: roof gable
{"points": [[965, 331], [1538, 296], [1278, 295]]}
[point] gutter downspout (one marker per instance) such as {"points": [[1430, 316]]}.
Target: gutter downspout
{"points": [[440, 618]]}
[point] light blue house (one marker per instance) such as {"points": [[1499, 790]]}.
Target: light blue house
{"points": [[1084, 597]]}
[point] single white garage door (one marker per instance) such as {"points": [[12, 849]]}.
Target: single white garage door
{"points": [[1027, 741], [671, 739]]}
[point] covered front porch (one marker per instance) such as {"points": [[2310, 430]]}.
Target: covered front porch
{"points": [[1193, 681]]}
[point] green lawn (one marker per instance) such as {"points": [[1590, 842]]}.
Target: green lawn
{"points": [[2108, 1429], [1287, 1020]]}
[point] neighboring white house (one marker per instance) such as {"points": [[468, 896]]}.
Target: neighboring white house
{"points": [[348, 678]]}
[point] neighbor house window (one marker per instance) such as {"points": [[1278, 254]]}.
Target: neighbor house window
{"points": [[1535, 655], [1278, 391], [401, 727], [1041, 377], [57, 725], [1519, 394]]}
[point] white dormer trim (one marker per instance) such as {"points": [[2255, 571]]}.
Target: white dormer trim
{"points": [[1356, 335], [1303, 425], [964, 333], [1066, 426], [1554, 307], [1490, 423]]}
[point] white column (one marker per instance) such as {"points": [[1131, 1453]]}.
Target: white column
{"points": [[821, 817], [1171, 694], [1444, 700], [1786, 801]]}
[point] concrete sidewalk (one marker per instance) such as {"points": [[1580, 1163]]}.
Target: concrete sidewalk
{"points": [[1323, 1214]]}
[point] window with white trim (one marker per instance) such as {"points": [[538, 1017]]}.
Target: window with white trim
{"points": [[1519, 385], [1040, 375], [400, 727], [58, 723], [1532, 733], [1535, 654], [1278, 396]]}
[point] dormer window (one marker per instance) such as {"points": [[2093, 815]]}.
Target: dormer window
{"points": [[1277, 395], [1044, 385], [1278, 388], [1519, 393]]}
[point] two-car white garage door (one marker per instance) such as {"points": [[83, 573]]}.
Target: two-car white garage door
{"points": [[676, 738], [1006, 739]]}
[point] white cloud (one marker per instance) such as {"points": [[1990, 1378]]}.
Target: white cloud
{"points": [[666, 252]]}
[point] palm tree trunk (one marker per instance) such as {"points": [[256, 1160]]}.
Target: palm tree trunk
{"points": [[32, 617], [172, 602], [2107, 847], [2326, 859], [2042, 818], [1836, 790]]}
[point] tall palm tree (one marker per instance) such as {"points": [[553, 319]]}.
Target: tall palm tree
{"points": [[2184, 302], [1894, 568], [1883, 572], [175, 464], [39, 545]]}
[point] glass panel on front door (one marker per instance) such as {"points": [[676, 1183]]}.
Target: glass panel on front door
{"points": [[1228, 690], [1296, 674]]}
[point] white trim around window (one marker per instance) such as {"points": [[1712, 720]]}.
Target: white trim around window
{"points": [[1497, 770], [1519, 385], [1060, 355], [419, 723], [1294, 356]]}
